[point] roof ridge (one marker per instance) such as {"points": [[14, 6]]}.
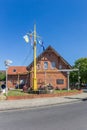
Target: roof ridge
{"points": [[50, 47]]}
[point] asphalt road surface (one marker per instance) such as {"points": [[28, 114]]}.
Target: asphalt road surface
{"points": [[63, 117]]}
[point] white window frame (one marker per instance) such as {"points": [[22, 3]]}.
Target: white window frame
{"points": [[53, 64], [45, 65]]}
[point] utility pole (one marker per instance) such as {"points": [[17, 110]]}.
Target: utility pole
{"points": [[18, 80], [68, 80]]}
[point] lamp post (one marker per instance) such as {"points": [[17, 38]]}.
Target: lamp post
{"points": [[79, 80], [78, 75], [7, 64]]}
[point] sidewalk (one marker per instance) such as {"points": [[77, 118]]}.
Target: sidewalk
{"points": [[38, 102]]}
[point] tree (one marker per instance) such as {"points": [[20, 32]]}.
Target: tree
{"points": [[81, 64], [2, 76]]}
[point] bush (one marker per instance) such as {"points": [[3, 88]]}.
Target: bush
{"points": [[64, 89], [57, 88]]}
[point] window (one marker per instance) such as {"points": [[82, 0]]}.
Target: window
{"points": [[38, 66], [60, 81], [53, 65], [45, 65]]}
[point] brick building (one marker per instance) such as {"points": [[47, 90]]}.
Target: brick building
{"points": [[48, 65], [16, 75]]}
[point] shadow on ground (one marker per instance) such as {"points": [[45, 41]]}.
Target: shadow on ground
{"points": [[82, 99]]}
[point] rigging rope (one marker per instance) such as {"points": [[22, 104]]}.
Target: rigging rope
{"points": [[28, 58]]}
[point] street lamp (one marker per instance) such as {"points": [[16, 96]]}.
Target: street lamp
{"points": [[7, 64]]}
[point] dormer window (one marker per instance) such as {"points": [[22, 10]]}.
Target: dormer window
{"points": [[14, 70]]}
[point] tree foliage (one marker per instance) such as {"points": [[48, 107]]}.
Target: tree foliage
{"points": [[81, 64], [2, 76]]}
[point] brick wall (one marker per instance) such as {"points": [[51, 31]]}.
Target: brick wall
{"points": [[50, 75], [13, 80]]}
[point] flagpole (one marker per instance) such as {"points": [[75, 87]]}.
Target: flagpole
{"points": [[34, 79]]}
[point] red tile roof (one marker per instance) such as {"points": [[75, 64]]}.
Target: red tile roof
{"points": [[12, 70]]}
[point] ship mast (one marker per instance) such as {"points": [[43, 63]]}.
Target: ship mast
{"points": [[34, 79]]}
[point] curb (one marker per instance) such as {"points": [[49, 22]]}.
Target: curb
{"points": [[33, 96], [32, 106]]}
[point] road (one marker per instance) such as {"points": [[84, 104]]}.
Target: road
{"points": [[62, 117]]}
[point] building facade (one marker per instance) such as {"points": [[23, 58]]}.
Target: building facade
{"points": [[17, 75], [49, 66]]}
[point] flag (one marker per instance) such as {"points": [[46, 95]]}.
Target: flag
{"points": [[42, 44], [26, 38]]}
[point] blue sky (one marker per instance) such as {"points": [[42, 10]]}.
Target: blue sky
{"points": [[61, 23]]}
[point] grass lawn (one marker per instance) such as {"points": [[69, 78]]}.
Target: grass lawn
{"points": [[19, 92], [62, 91]]}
